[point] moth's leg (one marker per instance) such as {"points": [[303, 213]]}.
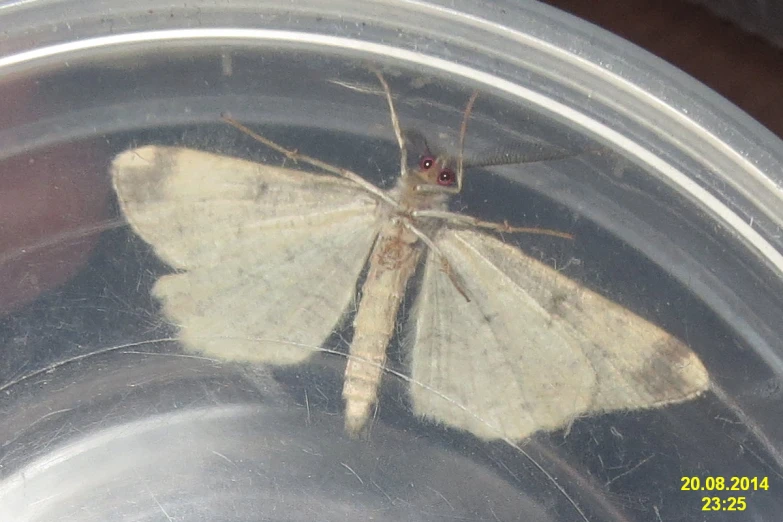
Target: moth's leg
{"points": [[395, 124], [445, 266], [296, 156], [463, 220]]}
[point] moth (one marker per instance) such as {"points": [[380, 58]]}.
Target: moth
{"points": [[267, 261]]}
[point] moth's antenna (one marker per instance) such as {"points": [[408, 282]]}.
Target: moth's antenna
{"points": [[462, 131], [396, 124]]}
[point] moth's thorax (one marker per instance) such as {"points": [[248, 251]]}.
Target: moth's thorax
{"points": [[395, 246], [412, 195]]}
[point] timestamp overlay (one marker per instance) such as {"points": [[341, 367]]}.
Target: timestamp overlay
{"points": [[731, 493]]}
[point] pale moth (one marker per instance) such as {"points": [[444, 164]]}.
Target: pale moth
{"points": [[500, 344]]}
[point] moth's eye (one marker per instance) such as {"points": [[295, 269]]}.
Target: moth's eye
{"points": [[446, 177], [426, 162]]}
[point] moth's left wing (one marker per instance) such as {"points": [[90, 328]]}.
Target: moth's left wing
{"points": [[267, 258], [532, 349]]}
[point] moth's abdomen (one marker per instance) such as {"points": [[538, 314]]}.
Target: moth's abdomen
{"points": [[392, 263]]}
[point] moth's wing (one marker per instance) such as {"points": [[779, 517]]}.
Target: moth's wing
{"points": [[171, 195], [269, 256], [532, 349]]}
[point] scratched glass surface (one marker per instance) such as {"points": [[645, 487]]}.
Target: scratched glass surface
{"points": [[524, 362]]}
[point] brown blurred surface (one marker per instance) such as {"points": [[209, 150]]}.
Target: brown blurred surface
{"points": [[740, 66], [53, 204]]}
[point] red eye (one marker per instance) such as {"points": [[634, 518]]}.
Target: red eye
{"points": [[426, 162], [446, 177]]}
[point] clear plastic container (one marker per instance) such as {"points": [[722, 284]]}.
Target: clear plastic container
{"points": [[672, 194]]}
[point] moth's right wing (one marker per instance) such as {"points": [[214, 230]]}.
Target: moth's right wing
{"points": [[483, 357], [532, 349], [269, 257]]}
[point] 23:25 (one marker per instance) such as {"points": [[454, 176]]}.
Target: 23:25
{"points": [[723, 504]]}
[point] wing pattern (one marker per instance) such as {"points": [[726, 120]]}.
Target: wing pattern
{"points": [[268, 257], [532, 349]]}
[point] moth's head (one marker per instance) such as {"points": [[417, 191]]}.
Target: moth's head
{"points": [[429, 171]]}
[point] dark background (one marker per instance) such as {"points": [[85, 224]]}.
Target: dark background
{"points": [[739, 54]]}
